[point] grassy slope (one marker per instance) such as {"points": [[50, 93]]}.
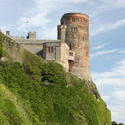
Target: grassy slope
{"points": [[42, 93]]}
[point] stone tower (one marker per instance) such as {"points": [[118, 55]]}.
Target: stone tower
{"points": [[74, 30]]}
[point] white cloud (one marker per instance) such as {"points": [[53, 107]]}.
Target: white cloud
{"points": [[64, 1], [108, 27], [98, 47], [121, 52], [115, 3], [106, 5], [38, 16], [115, 76], [104, 52], [6, 27], [111, 85]]}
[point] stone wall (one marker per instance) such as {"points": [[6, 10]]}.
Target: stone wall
{"points": [[56, 51], [34, 46], [77, 38], [71, 49]]}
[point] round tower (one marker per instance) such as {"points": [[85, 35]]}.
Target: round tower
{"points": [[77, 38]]}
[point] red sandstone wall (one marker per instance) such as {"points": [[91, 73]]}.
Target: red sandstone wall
{"points": [[77, 37]]}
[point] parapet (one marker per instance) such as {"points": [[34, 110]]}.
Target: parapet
{"points": [[74, 18], [31, 35]]}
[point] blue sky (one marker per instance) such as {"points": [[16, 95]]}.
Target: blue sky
{"points": [[107, 43]]}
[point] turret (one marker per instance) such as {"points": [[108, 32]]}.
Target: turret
{"points": [[77, 38], [31, 35], [61, 32], [7, 33]]}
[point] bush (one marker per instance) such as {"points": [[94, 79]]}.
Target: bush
{"points": [[1, 44], [49, 99]]}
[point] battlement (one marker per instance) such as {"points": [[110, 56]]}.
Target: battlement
{"points": [[75, 18], [31, 35], [71, 49], [74, 14]]}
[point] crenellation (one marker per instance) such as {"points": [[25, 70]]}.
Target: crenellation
{"points": [[71, 49], [31, 35]]}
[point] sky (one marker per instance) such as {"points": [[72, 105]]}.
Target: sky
{"points": [[107, 43]]}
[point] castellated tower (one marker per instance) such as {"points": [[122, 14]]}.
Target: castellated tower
{"points": [[74, 30], [71, 50]]}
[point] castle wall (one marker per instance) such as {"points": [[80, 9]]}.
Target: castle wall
{"points": [[56, 51], [64, 56], [70, 50], [34, 46], [77, 38]]}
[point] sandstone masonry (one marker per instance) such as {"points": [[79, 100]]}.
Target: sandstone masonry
{"points": [[70, 50]]}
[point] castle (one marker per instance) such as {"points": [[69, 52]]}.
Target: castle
{"points": [[71, 49]]}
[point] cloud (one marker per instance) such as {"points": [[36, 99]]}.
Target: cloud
{"points": [[6, 27], [64, 1], [115, 76], [98, 47], [116, 103], [104, 52], [108, 27], [103, 6], [111, 85], [121, 52], [115, 3], [38, 16]]}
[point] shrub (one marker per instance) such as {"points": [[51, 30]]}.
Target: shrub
{"points": [[1, 44]]}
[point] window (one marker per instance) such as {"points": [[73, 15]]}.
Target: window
{"points": [[77, 19], [70, 46], [83, 38], [73, 19], [84, 20], [49, 49], [70, 53], [74, 29]]}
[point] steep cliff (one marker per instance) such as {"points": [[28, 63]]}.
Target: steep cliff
{"points": [[36, 92]]}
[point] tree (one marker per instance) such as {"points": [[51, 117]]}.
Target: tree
{"points": [[114, 123], [120, 124]]}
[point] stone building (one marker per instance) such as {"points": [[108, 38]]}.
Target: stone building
{"points": [[70, 50]]}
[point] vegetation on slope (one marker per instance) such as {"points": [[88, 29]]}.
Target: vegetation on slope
{"points": [[40, 93], [115, 123], [1, 44]]}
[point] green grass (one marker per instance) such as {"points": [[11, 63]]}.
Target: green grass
{"points": [[46, 97], [1, 44], [40, 93]]}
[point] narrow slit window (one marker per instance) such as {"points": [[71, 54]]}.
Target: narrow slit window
{"points": [[73, 19], [77, 19], [51, 49], [74, 29], [83, 38]]}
